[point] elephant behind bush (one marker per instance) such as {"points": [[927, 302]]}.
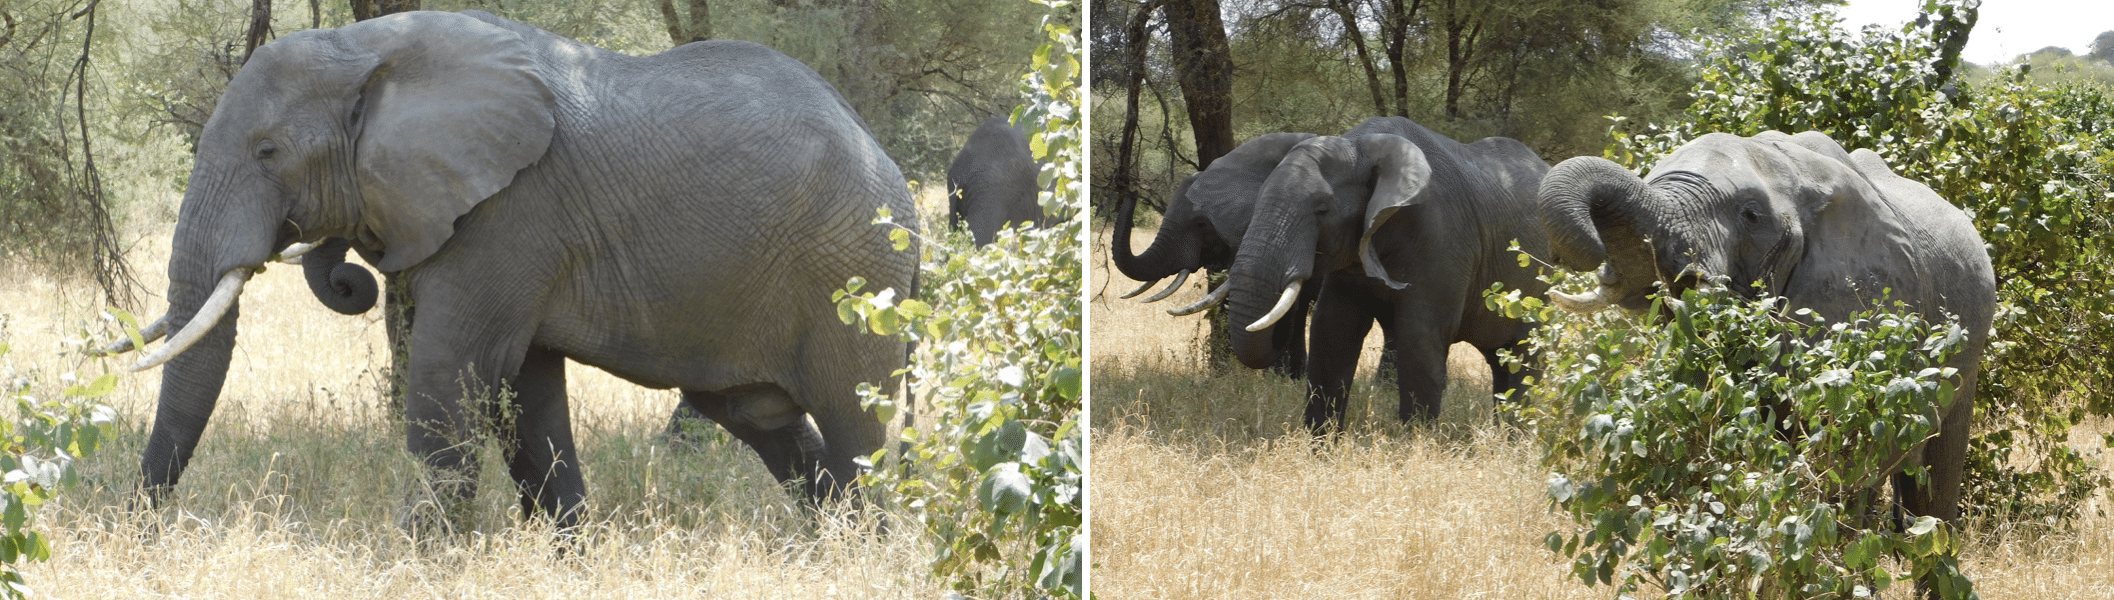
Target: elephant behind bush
{"points": [[992, 182]]}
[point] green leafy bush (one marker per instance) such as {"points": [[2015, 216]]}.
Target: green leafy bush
{"points": [[37, 453], [999, 474], [1733, 451], [2030, 163]]}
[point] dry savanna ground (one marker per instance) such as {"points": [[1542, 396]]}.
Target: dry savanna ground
{"points": [[296, 487], [1206, 486]]}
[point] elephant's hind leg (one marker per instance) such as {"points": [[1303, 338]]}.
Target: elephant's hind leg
{"points": [[544, 465], [770, 424]]}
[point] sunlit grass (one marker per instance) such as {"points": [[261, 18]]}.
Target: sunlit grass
{"points": [[297, 486], [1205, 485]]}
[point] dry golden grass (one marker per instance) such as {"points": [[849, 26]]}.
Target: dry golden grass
{"points": [[1206, 486], [296, 486]]}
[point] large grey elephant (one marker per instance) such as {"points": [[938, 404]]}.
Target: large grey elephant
{"points": [[992, 182], [1202, 229], [1792, 216], [1399, 225], [678, 220]]}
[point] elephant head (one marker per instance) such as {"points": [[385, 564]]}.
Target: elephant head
{"points": [[1720, 209], [1204, 221], [382, 133], [1319, 205]]}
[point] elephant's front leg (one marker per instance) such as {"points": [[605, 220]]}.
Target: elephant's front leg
{"points": [[1335, 339], [544, 466], [456, 367]]}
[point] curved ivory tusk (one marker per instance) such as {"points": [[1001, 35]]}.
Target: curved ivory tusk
{"points": [[208, 315], [1584, 304], [1141, 289], [292, 255], [1216, 296], [153, 331], [1171, 288], [1284, 305]]}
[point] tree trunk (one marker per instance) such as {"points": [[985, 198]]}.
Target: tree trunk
{"points": [[698, 28], [1356, 38], [1461, 33], [700, 20], [367, 9], [1204, 62], [1122, 180], [260, 27]]}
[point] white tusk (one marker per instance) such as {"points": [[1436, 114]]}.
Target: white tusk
{"points": [[1171, 288], [153, 331], [1210, 300], [292, 255], [216, 306], [1284, 305], [1141, 289], [1586, 303]]}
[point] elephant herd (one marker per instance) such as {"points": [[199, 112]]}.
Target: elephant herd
{"points": [[1393, 224], [680, 220]]}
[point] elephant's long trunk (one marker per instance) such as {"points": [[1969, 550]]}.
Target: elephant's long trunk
{"points": [[1276, 256], [1168, 254], [1597, 212]]}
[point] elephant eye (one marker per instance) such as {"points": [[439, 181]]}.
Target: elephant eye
{"points": [[1749, 214], [1321, 208], [266, 149]]}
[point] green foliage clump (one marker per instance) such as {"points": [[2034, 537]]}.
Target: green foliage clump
{"points": [[2030, 163], [37, 453], [999, 474], [1733, 451]]}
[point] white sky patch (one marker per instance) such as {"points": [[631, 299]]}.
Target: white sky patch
{"points": [[2006, 28]]}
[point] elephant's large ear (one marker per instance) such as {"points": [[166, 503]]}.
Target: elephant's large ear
{"points": [[1400, 172], [1227, 191], [452, 111]]}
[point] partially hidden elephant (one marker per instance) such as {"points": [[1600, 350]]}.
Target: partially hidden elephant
{"points": [[1202, 229], [992, 182], [1792, 216], [679, 220], [1398, 225]]}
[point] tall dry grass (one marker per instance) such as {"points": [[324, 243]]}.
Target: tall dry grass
{"points": [[296, 487], [1206, 486]]}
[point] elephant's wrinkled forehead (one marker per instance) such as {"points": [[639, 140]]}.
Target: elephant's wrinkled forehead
{"points": [[1727, 163], [301, 64]]}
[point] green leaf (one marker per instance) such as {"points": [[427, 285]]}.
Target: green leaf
{"points": [[1004, 489]]}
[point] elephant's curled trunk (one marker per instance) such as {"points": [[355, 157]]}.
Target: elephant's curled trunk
{"points": [[344, 287], [1596, 212]]}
